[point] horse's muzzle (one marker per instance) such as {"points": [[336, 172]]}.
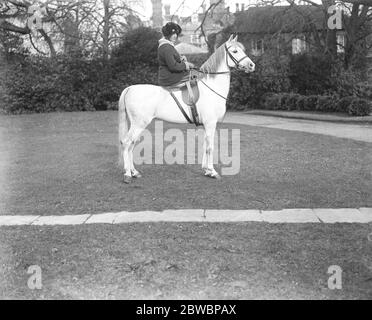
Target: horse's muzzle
{"points": [[249, 69]]}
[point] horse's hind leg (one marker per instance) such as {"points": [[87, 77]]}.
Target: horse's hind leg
{"points": [[125, 145], [128, 145], [135, 173]]}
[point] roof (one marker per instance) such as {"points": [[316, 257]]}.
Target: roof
{"points": [[186, 48], [271, 19]]}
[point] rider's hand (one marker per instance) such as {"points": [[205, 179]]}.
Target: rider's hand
{"points": [[189, 65]]}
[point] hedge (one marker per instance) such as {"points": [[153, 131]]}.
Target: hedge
{"points": [[352, 105], [80, 82]]}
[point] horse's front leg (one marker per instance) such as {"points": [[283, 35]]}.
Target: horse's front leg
{"points": [[209, 149], [204, 159]]}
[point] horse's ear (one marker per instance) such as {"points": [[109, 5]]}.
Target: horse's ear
{"points": [[231, 38], [236, 38]]}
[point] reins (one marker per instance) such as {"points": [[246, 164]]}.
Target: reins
{"points": [[213, 90]]}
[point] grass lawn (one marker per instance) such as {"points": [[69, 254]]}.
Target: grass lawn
{"points": [[66, 164], [187, 261]]}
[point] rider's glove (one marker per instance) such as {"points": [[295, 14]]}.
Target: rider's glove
{"points": [[189, 65]]}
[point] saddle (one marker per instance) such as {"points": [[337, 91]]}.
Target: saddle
{"points": [[190, 95]]}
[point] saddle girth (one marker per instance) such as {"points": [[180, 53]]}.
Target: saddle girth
{"points": [[194, 112], [190, 96]]}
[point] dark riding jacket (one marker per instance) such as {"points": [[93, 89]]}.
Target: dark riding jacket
{"points": [[171, 69]]}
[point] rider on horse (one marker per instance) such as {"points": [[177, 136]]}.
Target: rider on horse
{"points": [[173, 68]]}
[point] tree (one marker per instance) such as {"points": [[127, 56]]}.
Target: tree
{"points": [[357, 21], [13, 10], [95, 25]]}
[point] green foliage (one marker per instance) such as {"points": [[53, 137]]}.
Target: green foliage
{"points": [[301, 103], [319, 74], [344, 103], [77, 82], [11, 43], [138, 46], [38, 84], [292, 101], [247, 90], [310, 102], [359, 107], [197, 59], [364, 91], [310, 74], [326, 104]]}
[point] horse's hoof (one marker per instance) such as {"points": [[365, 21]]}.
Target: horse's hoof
{"points": [[213, 175], [127, 179], [217, 177], [136, 175]]}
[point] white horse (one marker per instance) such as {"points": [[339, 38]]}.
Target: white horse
{"points": [[142, 103]]}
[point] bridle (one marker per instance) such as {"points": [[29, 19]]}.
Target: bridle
{"points": [[237, 62], [237, 66]]}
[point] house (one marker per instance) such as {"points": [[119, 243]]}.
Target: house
{"points": [[213, 22], [284, 29], [189, 49], [191, 33]]}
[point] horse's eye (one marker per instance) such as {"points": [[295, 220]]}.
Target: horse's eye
{"points": [[235, 51]]}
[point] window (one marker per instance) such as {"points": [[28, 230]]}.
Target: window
{"points": [[298, 45], [340, 43], [195, 18], [194, 39], [257, 47]]}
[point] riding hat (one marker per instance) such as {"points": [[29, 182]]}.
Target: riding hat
{"points": [[171, 28]]}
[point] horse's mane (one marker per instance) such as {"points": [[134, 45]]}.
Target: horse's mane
{"points": [[214, 61]]}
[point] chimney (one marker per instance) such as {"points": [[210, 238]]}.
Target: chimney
{"points": [[237, 7], [157, 13], [204, 7], [167, 9], [242, 6]]}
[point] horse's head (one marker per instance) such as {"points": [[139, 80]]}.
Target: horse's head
{"points": [[236, 56]]}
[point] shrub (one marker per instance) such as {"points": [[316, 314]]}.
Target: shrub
{"points": [[247, 90], [38, 84], [311, 102], [77, 82], [269, 101], [344, 82], [281, 101], [139, 46], [326, 103], [300, 104], [364, 91], [310, 74], [277, 101], [292, 101], [359, 107], [198, 59], [344, 103]]}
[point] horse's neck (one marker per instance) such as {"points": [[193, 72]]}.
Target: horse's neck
{"points": [[220, 82]]}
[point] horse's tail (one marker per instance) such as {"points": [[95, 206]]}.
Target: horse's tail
{"points": [[123, 126]]}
